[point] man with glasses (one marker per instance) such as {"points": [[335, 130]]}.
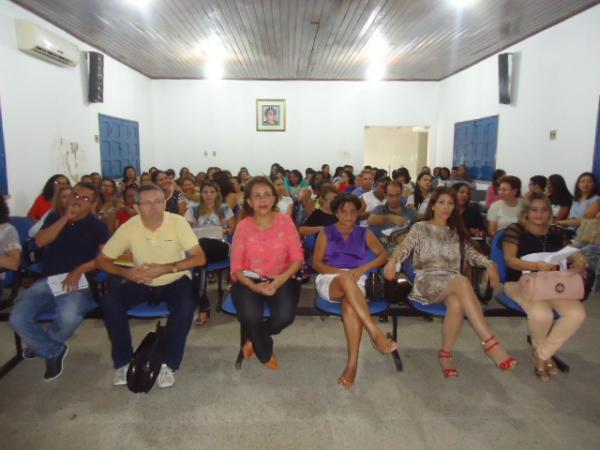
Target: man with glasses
{"points": [[71, 243], [164, 249]]}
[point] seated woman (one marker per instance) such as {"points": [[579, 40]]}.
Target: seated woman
{"points": [[128, 210], [438, 244], [10, 245], [587, 201], [470, 212], [419, 200], [295, 184], [129, 178], [212, 220], [173, 197], [537, 184], [223, 179], [559, 196], [265, 254], [505, 211], [43, 202], [323, 216], [285, 203], [60, 202], [342, 259], [491, 195], [189, 189], [533, 234], [108, 203], [347, 182]]}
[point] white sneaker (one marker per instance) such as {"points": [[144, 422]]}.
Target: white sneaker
{"points": [[120, 378], [166, 377]]}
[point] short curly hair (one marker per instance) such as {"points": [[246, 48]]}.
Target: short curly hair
{"points": [[342, 199]]}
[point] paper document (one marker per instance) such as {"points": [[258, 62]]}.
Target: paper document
{"points": [[559, 258], [55, 282], [210, 232], [388, 231]]}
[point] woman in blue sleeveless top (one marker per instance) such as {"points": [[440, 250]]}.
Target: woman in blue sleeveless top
{"points": [[341, 258]]}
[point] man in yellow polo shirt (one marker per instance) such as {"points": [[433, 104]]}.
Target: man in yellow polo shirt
{"points": [[159, 242]]}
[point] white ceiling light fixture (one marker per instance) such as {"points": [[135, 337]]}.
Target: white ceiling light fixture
{"points": [[462, 4], [376, 72], [213, 70], [141, 4]]}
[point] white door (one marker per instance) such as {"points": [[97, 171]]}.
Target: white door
{"points": [[393, 147]]}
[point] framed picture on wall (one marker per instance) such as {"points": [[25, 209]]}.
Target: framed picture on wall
{"points": [[270, 115]]}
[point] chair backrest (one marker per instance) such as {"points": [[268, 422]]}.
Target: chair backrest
{"points": [[497, 254], [409, 269], [22, 224], [310, 242]]}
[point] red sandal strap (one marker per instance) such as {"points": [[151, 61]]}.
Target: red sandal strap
{"points": [[488, 340], [508, 363], [449, 373], [487, 349], [445, 354]]}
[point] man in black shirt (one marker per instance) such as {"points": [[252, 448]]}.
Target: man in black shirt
{"points": [[71, 244]]}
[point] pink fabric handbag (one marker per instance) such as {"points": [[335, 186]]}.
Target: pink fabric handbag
{"points": [[563, 285]]}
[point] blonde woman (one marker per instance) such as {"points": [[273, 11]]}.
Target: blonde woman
{"points": [[533, 234]]}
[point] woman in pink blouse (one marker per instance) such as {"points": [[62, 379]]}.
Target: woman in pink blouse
{"points": [[265, 254]]}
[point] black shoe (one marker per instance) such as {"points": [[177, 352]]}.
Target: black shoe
{"points": [[54, 366], [28, 354]]}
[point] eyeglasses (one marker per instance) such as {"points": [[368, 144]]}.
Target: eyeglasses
{"points": [[78, 196], [151, 202]]}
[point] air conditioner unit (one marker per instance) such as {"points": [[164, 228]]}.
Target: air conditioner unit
{"points": [[36, 41]]}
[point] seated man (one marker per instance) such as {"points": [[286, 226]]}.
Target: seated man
{"points": [[71, 244], [158, 241], [392, 213]]}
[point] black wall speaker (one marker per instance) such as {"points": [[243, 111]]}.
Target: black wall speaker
{"points": [[96, 84], [505, 82]]}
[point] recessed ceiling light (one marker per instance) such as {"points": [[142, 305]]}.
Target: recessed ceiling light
{"points": [[214, 70], [462, 4], [376, 72], [141, 4]]}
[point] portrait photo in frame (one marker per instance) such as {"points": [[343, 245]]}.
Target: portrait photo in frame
{"points": [[271, 115]]}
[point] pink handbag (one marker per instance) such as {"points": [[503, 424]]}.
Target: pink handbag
{"points": [[552, 285]]}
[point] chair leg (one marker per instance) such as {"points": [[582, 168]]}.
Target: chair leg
{"points": [[12, 362], [240, 356], [394, 336]]}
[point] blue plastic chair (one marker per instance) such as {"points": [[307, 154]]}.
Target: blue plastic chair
{"points": [[229, 307], [497, 255], [148, 311], [432, 310]]}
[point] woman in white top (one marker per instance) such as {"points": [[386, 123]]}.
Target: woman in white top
{"points": [[212, 220], [505, 211], [285, 203], [419, 200]]}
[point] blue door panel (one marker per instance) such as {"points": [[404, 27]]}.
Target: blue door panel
{"points": [[3, 178], [596, 162], [475, 144], [119, 145]]}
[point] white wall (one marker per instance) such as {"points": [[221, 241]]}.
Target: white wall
{"points": [[326, 121], [43, 103], [558, 88]]}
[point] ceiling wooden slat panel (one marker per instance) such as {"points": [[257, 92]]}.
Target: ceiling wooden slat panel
{"points": [[302, 39]]}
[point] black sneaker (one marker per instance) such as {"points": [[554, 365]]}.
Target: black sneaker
{"points": [[54, 366], [28, 354]]}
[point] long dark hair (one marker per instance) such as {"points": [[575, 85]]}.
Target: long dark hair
{"points": [[577, 191], [560, 192], [419, 198], [48, 191], [4, 214], [225, 185], [496, 175], [125, 172], [455, 221]]}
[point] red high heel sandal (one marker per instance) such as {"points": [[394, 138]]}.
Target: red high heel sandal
{"points": [[448, 373], [506, 365]]}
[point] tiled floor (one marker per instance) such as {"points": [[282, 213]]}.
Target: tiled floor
{"points": [[300, 406]]}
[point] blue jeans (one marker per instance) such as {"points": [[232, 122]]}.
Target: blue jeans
{"points": [[70, 309], [124, 295]]}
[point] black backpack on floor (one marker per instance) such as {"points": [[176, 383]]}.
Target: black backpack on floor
{"points": [[147, 359]]}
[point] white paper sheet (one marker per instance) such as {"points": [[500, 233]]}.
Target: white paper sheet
{"points": [[55, 282], [559, 258]]}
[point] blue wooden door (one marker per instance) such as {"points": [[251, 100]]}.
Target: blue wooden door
{"points": [[3, 178], [596, 169], [119, 145], [475, 143]]}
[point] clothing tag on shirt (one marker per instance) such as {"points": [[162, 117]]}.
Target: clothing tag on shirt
{"points": [[55, 282]]}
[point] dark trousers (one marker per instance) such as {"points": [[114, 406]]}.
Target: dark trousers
{"points": [[122, 296], [249, 307], [215, 251]]}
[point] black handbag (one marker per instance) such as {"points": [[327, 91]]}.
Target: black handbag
{"points": [[147, 360], [379, 288]]}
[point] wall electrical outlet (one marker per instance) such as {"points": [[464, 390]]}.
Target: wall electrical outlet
{"points": [[214, 153], [552, 135], [205, 153]]}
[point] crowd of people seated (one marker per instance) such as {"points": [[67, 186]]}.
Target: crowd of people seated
{"points": [[167, 226]]}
